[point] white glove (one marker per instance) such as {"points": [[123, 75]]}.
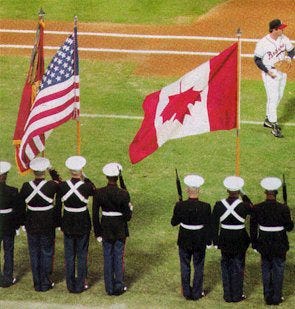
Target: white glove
{"points": [[99, 239], [130, 206], [24, 229], [255, 251], [58, 228], [209, 246], [216, 247], [17, 232]]}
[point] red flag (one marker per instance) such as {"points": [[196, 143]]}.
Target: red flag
{"points": [[32, 83], [203, 100], [57, 101]]}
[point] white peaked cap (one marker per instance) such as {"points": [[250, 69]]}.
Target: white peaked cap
{"points": [[75, 163], [193, 181], [233, 183], [4, 167], [112, 169], [39, 164], [271, 183]]}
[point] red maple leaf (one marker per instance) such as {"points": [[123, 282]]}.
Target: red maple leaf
{"points": [[178, 105]]}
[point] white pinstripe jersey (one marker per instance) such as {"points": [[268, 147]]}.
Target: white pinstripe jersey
{"points": [[271, 51]]}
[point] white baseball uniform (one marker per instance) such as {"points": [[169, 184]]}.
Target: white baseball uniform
{"points": [[271, 51]]}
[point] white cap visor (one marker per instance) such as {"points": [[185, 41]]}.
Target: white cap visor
{"points": [[271, 183], [193, 181], [39, 164], [233, 183], [75, 163], [112, 169], [4, 167]]}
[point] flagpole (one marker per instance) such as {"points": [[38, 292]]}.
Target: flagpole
{"points": [[238, 151], [78, 125], [41, 24]]}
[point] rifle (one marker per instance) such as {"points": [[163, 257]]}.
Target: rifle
{"points": [[245, 198], [55, 175], [178, 186], [121, 180], [285, 197]]}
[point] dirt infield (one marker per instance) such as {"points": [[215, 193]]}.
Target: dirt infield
{"points": [[251, 16]]}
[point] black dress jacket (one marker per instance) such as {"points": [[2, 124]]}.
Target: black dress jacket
{"points": [[194, 219], [111, 200]]}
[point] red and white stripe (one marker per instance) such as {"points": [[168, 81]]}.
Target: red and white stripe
{"points": [[53, 106]]}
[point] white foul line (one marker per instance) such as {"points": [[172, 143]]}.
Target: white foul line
{"points": [[137, 36], [126, 51], [113, 116]]}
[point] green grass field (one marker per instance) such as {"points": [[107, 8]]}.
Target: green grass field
{"points": [[152, 266]]}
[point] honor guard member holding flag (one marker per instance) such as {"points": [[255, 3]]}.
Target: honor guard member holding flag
{"points": [[230, 236], [193, 216], [41, 221], [112, 228], [10, 215], [269, 223], [76, 223]]}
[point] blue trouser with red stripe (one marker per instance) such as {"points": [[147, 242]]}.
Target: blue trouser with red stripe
{"points": [[41, 249], [8, 247], [185, 256], [232, 269], [272, 278], [76, 248], [113, 252]]}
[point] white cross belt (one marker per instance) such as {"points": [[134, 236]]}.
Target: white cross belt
{"points": [[111, 213]]}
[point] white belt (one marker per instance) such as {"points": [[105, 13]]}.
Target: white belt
{"points": [[5, 211], [71, 209], [111, 213], [192, 227], [271, 228], [40, 208], [233, 227]]}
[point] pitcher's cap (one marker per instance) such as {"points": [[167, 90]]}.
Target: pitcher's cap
{"points": [[276, 24]]}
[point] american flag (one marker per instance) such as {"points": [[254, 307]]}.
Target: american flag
{"points": [[57, 101]]}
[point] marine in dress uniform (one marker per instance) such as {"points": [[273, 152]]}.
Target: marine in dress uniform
{"points": [[231, 237], [10, 219], [40, 223], [76, 223], [193, 216], [269, 223], [112, 228]]}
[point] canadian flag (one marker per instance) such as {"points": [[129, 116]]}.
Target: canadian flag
{"points": [[201, 101]]}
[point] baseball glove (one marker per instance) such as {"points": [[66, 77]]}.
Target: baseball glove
{"points": [[284, 65]]}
